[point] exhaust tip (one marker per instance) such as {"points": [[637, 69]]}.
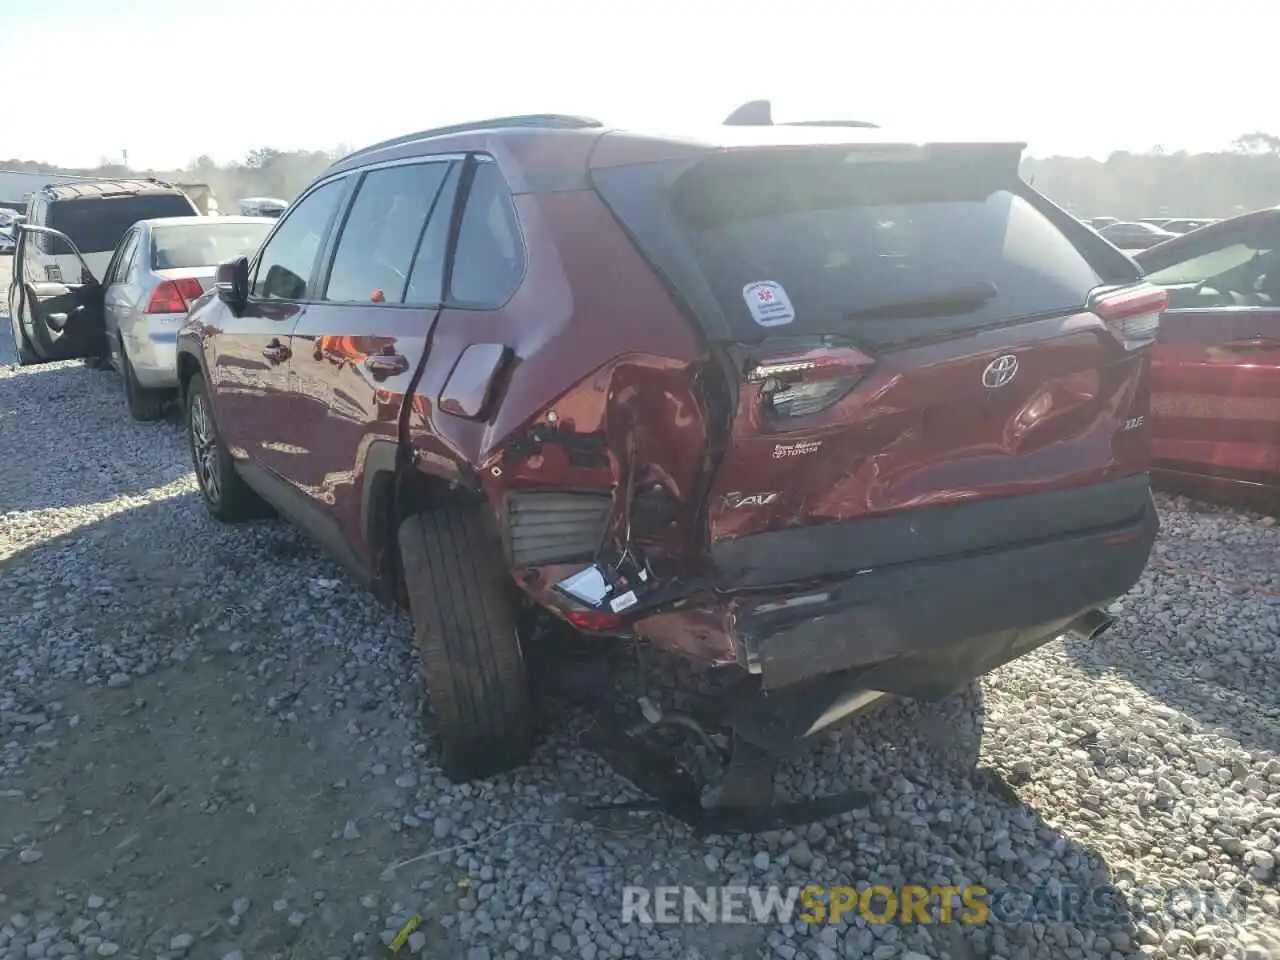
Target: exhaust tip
{"points": [[1091, 624]]}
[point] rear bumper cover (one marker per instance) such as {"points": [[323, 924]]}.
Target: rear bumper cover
{"points": [[153, 350], [926, 629], [919, 626], [922, 628]]}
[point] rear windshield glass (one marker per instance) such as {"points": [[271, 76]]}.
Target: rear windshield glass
{"points": [[96, 225], [204, 244], [838, 237]]}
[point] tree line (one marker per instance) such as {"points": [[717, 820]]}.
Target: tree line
{"points": [[1125, 185]]}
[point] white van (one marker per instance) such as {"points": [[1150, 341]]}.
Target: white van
{"points": [[94, 215], [262, 207]]}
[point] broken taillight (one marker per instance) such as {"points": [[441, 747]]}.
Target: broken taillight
{"points": [[1132, 313], [593, 620], [174, 296], [806, 382], [801, 399]]}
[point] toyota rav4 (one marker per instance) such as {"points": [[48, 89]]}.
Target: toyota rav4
{"points": [[845, 414]]}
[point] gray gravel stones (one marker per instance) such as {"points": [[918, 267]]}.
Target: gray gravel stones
{"points": [[1149, 759]]}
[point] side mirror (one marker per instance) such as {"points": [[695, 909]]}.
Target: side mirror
{"points": [[231, 280]]}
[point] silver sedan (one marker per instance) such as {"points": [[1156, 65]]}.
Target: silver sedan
{"points": [[159, 268]]}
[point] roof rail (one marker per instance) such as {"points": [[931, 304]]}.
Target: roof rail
{"points": [[544, 121], [759, 113], [833, 123]]}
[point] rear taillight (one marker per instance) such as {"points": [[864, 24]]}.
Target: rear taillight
{"points": [[801, 399], [593, 620], [808, 381], [174, 296], [1132, 313]]}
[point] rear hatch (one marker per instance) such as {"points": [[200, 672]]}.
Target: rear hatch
{"points": [[95, 224], [898, 326]]}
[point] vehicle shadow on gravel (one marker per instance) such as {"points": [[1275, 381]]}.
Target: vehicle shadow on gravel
{"points": [[1200, 630], [225, 747], [938, 814], [1240, 705], [184, 749]]}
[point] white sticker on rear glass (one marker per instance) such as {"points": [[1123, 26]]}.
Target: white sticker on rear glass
{"points": [[769, 304]]}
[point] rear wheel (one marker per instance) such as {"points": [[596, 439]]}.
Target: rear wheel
{"points": [[465, 624], [144, 404], [225, 493], [25, 355]]}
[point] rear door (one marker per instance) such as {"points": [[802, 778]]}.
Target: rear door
{"points": [[355, 349], [904, 328], [116, 293], [54, 319], [1215, 373]]}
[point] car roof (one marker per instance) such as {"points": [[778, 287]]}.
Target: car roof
{"points": [[95, 189], [200, 221], [553, 151]]}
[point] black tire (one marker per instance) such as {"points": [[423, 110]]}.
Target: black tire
{"points": [[144, 404], [26, 356], [465, 623], [227, 497]]}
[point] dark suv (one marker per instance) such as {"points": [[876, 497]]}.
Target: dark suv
{"points": [[846, 415]]}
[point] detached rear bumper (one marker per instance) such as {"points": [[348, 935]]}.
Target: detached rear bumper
{"points": [[942, 602], [923, 628]]}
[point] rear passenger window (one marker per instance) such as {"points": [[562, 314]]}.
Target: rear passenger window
{"points": [[489, 260], [284, 267], [125, 266], [426, 278], [376, 250]]}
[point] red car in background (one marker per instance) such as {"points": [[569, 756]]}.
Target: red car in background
{"points": [[1215, 369]]}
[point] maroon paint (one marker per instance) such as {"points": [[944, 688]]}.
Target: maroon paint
{"points": [[593, 342]]}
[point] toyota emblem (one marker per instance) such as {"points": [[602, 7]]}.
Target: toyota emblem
{"points": [[1000, 371]]}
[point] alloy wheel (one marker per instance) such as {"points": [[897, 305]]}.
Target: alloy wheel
{"points": [[204, 446]]}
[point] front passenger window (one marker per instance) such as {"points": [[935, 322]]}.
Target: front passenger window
{"points": [[287, 260]]}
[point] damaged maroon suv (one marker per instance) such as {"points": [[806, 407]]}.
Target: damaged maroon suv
{"points": [[842, 414]]}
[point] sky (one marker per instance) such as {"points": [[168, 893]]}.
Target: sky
{"points": [[169, 80]]}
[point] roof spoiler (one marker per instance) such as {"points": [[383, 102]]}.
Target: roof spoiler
{"points": [[759, 113]]}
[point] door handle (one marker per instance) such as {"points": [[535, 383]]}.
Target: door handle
{"points": [[276, 352], [1246, 344], [385, 364]]}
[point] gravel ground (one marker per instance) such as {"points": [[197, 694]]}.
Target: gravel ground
{"points": [[211, 746]]}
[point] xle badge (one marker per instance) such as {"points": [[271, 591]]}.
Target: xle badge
{"points": [[735, 500]]}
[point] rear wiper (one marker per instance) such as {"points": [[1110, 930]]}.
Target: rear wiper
{"points": [[958, 300]]}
